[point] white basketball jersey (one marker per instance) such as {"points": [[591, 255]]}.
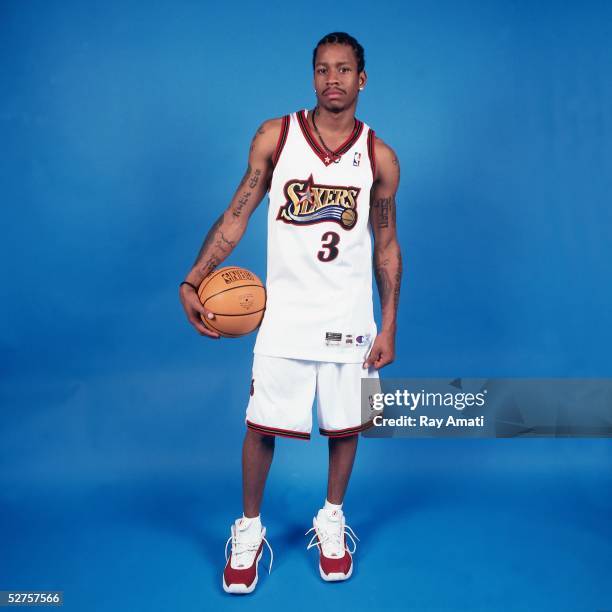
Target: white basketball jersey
{"points": [[319, 270]]}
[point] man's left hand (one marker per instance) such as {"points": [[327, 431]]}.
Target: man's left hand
{"points": [[382, 352]]}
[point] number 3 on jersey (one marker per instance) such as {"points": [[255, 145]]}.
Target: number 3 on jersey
{"points": [[330, 242]]}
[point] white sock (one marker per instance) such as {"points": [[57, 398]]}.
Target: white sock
{"points": [[331, 508], [252, 521]]}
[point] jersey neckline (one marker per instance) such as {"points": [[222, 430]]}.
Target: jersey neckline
{"points": [[319, 151]]}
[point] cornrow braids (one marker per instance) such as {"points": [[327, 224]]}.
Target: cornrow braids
{"points": [[342, 38]]}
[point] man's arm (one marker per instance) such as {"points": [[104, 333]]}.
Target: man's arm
{"points": [[228, 229], [387, 254]]}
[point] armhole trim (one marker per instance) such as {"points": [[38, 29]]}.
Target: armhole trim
{"points": [[282, 139], [371, 152]]}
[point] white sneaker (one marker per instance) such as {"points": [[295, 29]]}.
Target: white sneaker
{"points": [[335, 558], [240, 573]]}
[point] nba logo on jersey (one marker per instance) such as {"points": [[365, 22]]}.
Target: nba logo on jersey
{"points": [[356, 158]]}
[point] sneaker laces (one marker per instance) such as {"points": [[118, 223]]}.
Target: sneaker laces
{"points": [[325, 536], [240, 548]]}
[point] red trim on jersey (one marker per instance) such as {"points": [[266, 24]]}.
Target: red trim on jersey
{"points": [[320, 152], [349, 431], [371, 152], [282, 139], [287, 433]]}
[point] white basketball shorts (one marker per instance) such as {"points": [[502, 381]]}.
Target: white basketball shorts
{"points": [[283, 391]]}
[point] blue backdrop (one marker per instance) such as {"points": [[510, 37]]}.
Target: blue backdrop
{"points": [[125, 128]]}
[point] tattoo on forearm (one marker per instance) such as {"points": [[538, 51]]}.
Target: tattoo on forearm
{"points": [[383, 280], [208, 266], [398, 282], [224, 244], [389, 282], [215, 247], [210, 238]]}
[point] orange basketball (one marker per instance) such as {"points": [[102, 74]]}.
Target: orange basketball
{"points": [[238, 299]]}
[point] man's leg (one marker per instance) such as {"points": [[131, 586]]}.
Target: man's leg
{"points": [[257, 454], [341, 458], [340, 417], [329, 525]]}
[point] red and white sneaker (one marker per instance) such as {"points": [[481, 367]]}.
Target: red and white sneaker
{"points": [[335, 558], [240, 573]]}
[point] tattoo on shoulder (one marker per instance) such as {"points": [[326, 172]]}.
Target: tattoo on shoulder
{"points": [[260, 130], [396, 163]]}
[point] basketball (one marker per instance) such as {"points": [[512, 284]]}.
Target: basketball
{"points": [[237, 298], [348, 217]]}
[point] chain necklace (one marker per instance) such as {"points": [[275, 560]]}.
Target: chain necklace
{"points": [[334, 156]]}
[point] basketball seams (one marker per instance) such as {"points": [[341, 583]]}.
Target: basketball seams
{"points": [[210, 297], [240, 314]]}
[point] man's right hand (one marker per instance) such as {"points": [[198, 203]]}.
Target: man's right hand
{"points": [[194, 311]]}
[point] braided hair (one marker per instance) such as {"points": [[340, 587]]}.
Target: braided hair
{"points": [[342, 38]]}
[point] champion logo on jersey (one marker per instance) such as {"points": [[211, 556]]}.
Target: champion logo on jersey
{"points": [[362, 340], [308, 202]]}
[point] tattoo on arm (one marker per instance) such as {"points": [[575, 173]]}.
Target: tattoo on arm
{"points": [[208, 266], [398, 282], [215, 247], [384, 209], [210, 237], [242, 202], [396, 163], [383, 280], [260, 131], [389, 282], [255, 179]]}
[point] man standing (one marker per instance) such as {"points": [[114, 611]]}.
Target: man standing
{"points": [[330, 181]]}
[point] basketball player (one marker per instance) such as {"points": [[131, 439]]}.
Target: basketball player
{"points": [[330, 180]]}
